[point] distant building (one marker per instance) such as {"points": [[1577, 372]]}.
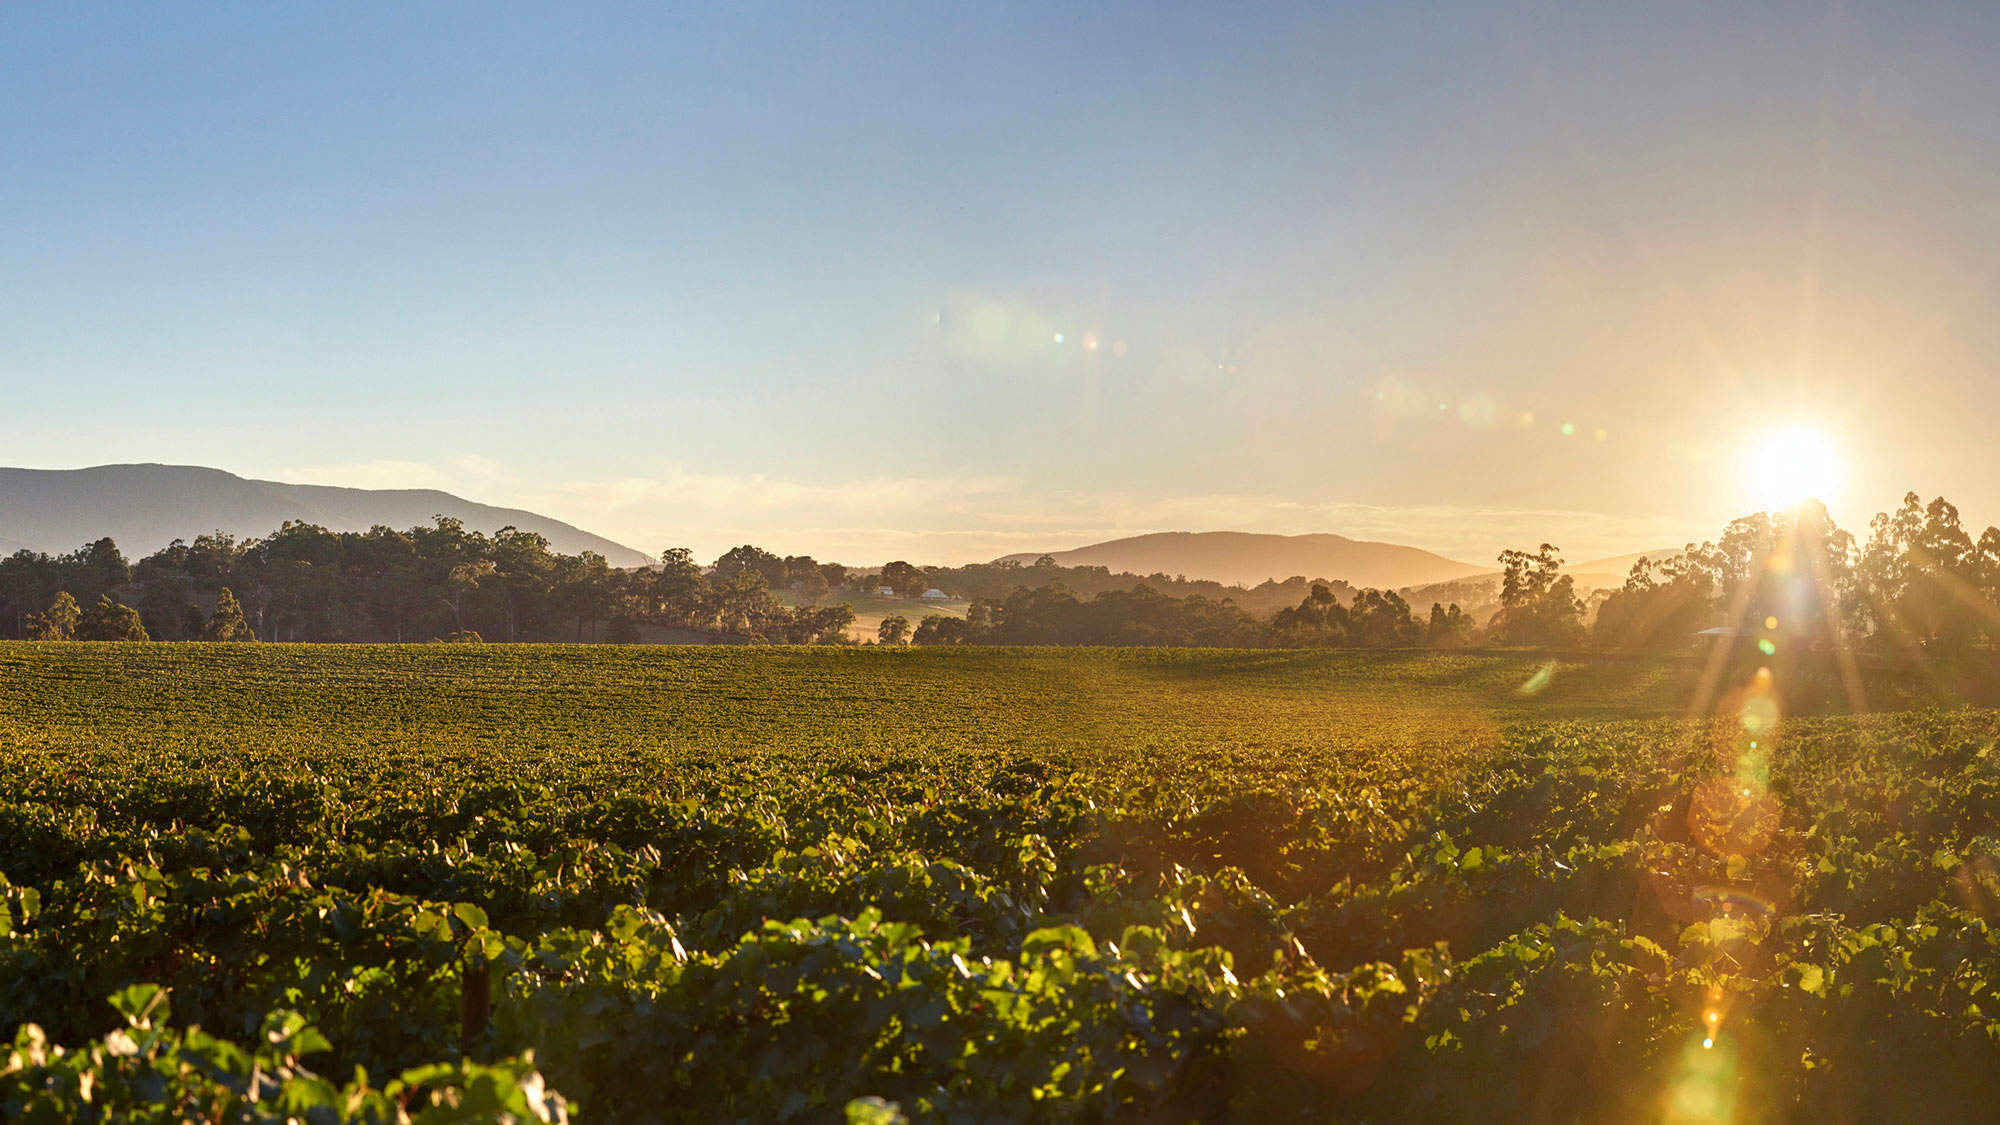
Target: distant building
{"points": [[935, 595], [886, 591]]}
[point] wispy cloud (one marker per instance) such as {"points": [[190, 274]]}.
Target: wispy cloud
{"points": [[757, 494]]}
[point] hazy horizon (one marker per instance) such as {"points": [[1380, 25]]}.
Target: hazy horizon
{"points": [[947, 284], [1446, 519]]}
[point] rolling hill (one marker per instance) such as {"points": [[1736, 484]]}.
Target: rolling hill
{"points": [[1612, 571], [144, 507], [1245, 559]]}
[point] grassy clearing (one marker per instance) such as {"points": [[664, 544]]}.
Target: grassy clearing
{"points": [[870, 609], [740, 698]]}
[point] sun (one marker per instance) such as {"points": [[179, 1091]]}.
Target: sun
{"points": [[1792, 464]]}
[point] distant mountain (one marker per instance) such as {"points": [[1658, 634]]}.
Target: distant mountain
{"points": [[1245, 559], [144, 507], [1613, 571]]}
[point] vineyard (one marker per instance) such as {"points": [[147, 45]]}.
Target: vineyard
{"points": [[455, 883]]}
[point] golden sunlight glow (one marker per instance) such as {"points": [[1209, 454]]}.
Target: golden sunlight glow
{"points": [[1792, 464]]}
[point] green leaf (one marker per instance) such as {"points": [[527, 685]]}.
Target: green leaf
{"points": [[875, 1111], [140, 1003], [1072, 938]]}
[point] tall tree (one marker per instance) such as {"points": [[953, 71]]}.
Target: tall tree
{"points": [[679, 589], [1538, 603], [741, 602], [104, 558], [748, 557], [1660, 606], [227, 623], [1922, 577], [164, 604], [584, 588], [58, 622], [524, 575]]}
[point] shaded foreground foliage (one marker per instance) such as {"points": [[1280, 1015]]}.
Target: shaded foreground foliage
{"points": [[1541, 918]]}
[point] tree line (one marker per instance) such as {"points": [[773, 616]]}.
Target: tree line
{"points": [[437, 582], [1920, 582], [994, 581]]}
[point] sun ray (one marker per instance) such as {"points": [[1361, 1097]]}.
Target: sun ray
{"points": [[1718, 653], [1843, 651]]}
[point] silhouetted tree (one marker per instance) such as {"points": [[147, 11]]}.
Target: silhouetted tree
{"points": [[893, 630], [1925, 582], [1538, 603], [937, 629], [679, 589], [1449, 627], [1319, 621], [164, 604], [737, 559], [812, 587], [1661, 606], [834, 573], [1381, 619], [107, 564], [907, 579], [741, 601]]}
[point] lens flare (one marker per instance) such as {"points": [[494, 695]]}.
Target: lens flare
{"points": [[1758, 714], [1539, 682]]}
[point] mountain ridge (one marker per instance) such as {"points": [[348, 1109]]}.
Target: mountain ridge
{"points": [[144, 506], [1246, 558], [1366, 563]]}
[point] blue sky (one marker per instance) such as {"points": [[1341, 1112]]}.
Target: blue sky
{"points": [[794, 274]]}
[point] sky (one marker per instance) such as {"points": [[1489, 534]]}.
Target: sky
{"points": [[944, 282]]}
